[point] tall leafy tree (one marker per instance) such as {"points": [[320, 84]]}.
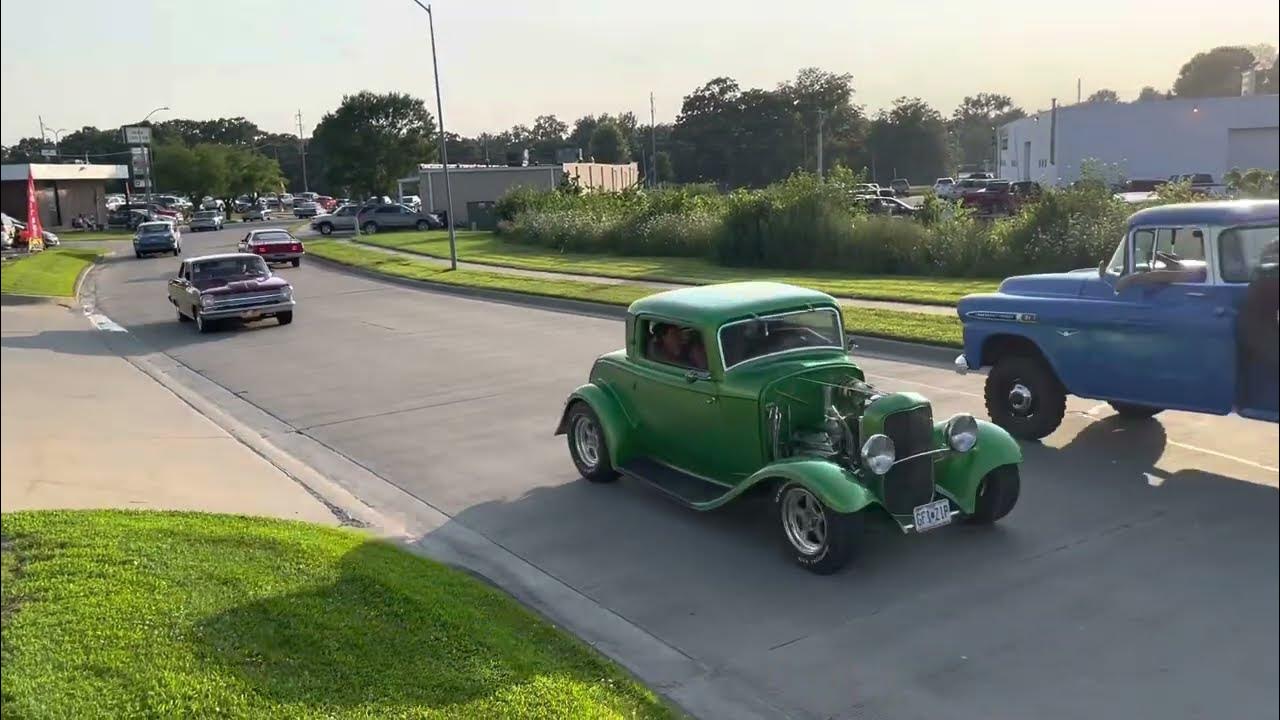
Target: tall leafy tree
{"points": [[973, 124], [1149, 93], [373, 139], [704, 133], [1105, 95], [908, 140], [817, 94], [609, 144], [1215, 73]]}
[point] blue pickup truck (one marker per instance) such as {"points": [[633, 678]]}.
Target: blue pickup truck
{"points": [[1183, 316]]}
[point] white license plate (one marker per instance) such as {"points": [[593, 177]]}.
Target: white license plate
{"points": [[932, 515]]}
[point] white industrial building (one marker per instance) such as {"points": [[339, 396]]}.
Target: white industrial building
{"points": [[1143, 140]]}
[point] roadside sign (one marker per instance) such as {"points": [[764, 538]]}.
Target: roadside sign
{"points": [[48, 152], [137, 135]]}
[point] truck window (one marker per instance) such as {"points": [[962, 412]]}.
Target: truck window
{"points": [[1241, 251], [1186, 243]]}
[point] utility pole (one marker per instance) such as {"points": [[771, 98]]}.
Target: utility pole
{"points": [[302, 151], [653, 140], [822, 116], [1078, 91], [444, 150]]}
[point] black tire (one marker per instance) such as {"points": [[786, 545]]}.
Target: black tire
{"points": [[296, 262], [202, 325], [423, 225], [369, 228], [997, 494], [177, 251], [1133, 411], [1045, 399], [326, 228], [182, 318], [598, 468], [820, 552], [138, 254], [285, 317]]}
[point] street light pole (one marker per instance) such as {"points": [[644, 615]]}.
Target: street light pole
{"points": [[444, 151], [151, 157]]}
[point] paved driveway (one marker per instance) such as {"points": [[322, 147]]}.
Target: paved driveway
{"points": [[1137, 578]]}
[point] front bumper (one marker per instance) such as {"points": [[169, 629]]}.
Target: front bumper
{"points": [[205, 226], [251, 312], [277, 257]]}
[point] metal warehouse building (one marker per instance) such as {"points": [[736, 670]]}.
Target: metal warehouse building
{"points": [[1149, 140], [474, 184]]}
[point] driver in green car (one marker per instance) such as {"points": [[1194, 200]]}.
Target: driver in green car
{"points": [[677, 346]]}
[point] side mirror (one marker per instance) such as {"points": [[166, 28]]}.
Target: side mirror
{"points": [[850, 344], [1102, 269]]}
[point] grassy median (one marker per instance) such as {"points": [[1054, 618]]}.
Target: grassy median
{"points": [[51, 273], [488, 249], [872, 322], [112, 614]]}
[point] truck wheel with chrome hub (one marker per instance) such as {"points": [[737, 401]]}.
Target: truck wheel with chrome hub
{"points": [[997, 494], [820, 539], [587, 444], [1025, 397]]}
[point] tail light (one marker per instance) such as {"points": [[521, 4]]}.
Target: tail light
{"points": [[296, 247], [259, 248]]}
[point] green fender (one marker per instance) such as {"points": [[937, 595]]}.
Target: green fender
{"points": [[835, 486], [958, 474], [613, 420]]}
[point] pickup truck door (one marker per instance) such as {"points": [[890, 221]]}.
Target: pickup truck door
{"points": [[1178, 346]]}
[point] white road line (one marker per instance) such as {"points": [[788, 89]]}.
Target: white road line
{"points": [[1224, 456], [104, 323]]}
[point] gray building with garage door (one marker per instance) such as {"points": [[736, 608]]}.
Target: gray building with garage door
{"points": [[487, 183]]}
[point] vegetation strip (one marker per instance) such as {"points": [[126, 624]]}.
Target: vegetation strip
{"points": [[51, 273], [925, 328], [486, 248], [130, 614]]}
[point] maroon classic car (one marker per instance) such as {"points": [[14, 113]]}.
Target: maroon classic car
{"points": [[232, 285], [275, 245]]}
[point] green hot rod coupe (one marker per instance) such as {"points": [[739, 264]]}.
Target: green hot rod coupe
{"points": [[725, 388]]}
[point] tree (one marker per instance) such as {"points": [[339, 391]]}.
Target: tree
{"points": [[608, 144], [251, 173], [909, 140], [1149, 93], [973, 125], [1104, 95], [666, 173], [372, 140], [1215, 73], [814, 94], [215, 170]]}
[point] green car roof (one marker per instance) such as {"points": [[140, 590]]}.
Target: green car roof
{"points": [[712, 305]]}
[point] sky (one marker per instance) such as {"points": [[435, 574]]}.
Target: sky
{"points": [[108, 63]]}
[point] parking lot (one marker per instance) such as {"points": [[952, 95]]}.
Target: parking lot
{"points": [[1136, 578]]}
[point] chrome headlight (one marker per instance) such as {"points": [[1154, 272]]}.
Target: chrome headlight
{"points": [[962, 432], [878, 454], [286, 292], [206, 300]]}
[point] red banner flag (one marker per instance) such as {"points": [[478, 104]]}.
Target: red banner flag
{"points": [[34, 232]]}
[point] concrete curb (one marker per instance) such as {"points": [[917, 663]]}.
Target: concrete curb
{"points": [[890, 349]]}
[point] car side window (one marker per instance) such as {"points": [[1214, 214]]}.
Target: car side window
{"points": [[673, 344], [387, 210]]}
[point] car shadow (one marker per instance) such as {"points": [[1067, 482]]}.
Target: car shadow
{"points": [[369, 637]]}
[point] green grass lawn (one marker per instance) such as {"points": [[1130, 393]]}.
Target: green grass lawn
{"points": [[111, 614], [873, 322], [51, 273], [487, 248]]}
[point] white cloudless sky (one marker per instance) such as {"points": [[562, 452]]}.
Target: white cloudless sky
{"points": [[108, 62]]}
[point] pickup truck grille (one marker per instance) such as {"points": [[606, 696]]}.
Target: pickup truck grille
{"points": [[236, 302], [909, 483]]}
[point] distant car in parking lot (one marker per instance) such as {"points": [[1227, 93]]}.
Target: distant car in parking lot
{"points": [[305, 209], [212, 203], [411, 201], [969, 186], [879, 205], [326, 203], [395, 216], [945, 188], [273, 245], [900, 186], [206, 220], [257, 212], [157, 236], [285, 199]]}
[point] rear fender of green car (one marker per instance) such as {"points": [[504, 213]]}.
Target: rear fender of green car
{"points": [[835, 486], [613, 419], [958, 475]]}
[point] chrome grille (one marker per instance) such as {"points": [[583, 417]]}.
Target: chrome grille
{"points": [[235, 302], [909, 483]]}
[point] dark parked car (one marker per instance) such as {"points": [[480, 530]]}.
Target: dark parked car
{"points": [[877, 205], [232, 285], [392, 216]]}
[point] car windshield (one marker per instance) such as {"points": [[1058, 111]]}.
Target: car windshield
{"points": [[1243, 250], [758, 337], [247, 266]]}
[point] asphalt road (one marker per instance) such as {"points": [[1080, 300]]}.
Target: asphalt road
{"points": [[1137, 577]]}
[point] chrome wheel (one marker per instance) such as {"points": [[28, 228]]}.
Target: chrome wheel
{"points": [[1021, 401], [804, 520], [586, 440]]}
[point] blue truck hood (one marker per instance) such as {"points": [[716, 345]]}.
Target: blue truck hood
{"points": [[1067, 284]]}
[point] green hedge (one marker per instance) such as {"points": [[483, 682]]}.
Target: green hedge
{"points": [[801, 224]]}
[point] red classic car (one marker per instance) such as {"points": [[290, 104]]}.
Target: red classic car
{"points": [[273, 245], [231, 285]]}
